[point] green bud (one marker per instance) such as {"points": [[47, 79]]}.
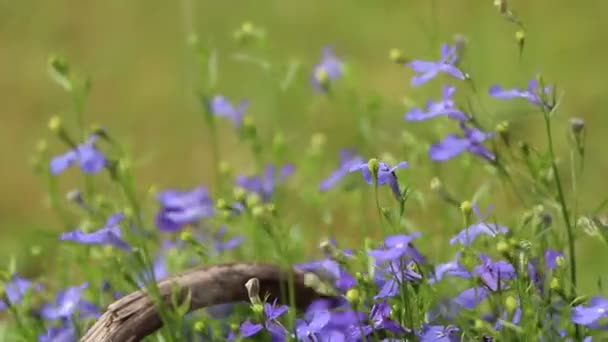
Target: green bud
{"points": [[466, 208], [56, 124], [555, 284], [271, 208], [396, 56], [248, 28], [35, 250], [239, 194], [221, 204], [352, 296], [253, 199], [199, 326], [322, 77], [186, 235], [42, 146], [520, 36], [502, 247], [511, 304], [257, 211], [436, 184], [224, 168], [501, 5], [373, 165], [479, 324], [559, 261]]}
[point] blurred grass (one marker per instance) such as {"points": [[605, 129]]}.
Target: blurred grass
{"points": [[136, 54]]}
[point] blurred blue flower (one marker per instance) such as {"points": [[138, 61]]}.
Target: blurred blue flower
{"points": [[396, 247], [310, 330], [271, 313], [439, 333], [88, 157], [398, 273], [68, 303], [533, 94], [328, 70], [330, 268], [468, 298], [220, 106], [466, 236], [62, 333], [452, 268], [443, 107], [16, 289], [590, 314], [181, 208], [453, 145], [491, 272], [219, 242], [347, 160], [427, 70], [264, 185], [109, 234], [386, 175], [551, 257]]}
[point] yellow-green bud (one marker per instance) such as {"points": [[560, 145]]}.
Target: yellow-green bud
{"points": [[520, 36], [436, 184], [502, 247], [36, 250], [42, 146], [373, 165], [239, 194], [199, 326], [253, 199], [55, 124], [248, 28], [555, 284], [501, 5], [559, 261], [186, 235], [271, 208], [352, 296], [257, 211], [466, 208], [479, 324], [510, 304], [396, 56], [224, 168], [322, 76], [221, 204], [248, 121], [502, 127]]}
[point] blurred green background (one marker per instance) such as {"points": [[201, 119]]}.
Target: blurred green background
{"points": [[138, 58]]}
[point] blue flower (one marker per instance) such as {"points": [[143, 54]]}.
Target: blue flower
{"points": [[16, 289], [309, 330], [590, 314], [264, 185], [453, 145], [347, 160], [533, 94], [181, 208], [452, 268], [221, 245], [444, 107], [109, 234], [386, 175], [62, 333], [220, 106], [427, 70], [491, 272], [396, 247], [88, 157], [328, 70], [68, 303], [398, 272], [551, 258], [271, 312], [469, 234], [439, 333], [468, 298]]}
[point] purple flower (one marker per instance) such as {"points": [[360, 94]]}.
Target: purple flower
{"points": [[309, 330], [264, 185], [328, 70], [532, 94], [398, 273], [181, 208], [590, 314], [386, 174], [380, 318], [397, 247], [220, 106], [272, 312], [551, 258], [329, 267], [427, 70], [453, 145], [109, 234], [452, 268], [469, 234], [63, 333], [159, 269], [493, 274], [68, 303], [88, 157], [439, 333], [469, 298], [16, 289], [444, 107], [347, 160], [248, 329], [221, 245]]}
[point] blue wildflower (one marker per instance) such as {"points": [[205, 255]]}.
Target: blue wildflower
{"points": [[589, 315], [427, 70], [68, 303], [109, 234], [396, 247], [264, 185], [468, 298], [16, 289], [88, 157], [219, 242], [385, 174], [220, 106], [439, 333], [181, 208], [398, 273], [452, 268], [453, 145], [307, 330], [491, 273], [272, 312], [551, 257], [533, 94], [444, 107], [347, 160], [469, 234], [328, 70], [62, 333]]}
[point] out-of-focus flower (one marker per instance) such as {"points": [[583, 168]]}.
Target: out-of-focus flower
{"points": [[109, 234], [552, 259], [398, 273], [533, 93], [494, 274], [88, 157], [62, 333], [327, 71], [271, 312], [221, 106], [347, 160], [469, 234], [439, 333], [309, 330], [451, 268], [397, 247], [382, 172], [588, 315], [427, 70], [219, 242], [69, 302], [15, 290], [181, 208], [264, 185], [443, 107], [453, 145]]}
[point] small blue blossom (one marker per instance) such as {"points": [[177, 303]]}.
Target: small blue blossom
{"points": [[347, 160], [427, 70], [264, 185], [16, 289], [396, 247], [109, 234], [62, 333], [386, 175], [398, 273], [588, 315], [219, 242], [181, 208], [453, 145], [439, 333], [88, 157], [532, 94], [469, 298], [452, 268], [469, 234], [328, 70], [68, 303], [445, 107], [309, 330], [551, 258], [220, 106], [491, 272]]}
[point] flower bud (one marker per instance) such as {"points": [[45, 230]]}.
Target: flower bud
{"points": [[559, 261], [520, 37], [466, 208], [257, 211], [186, 235], [353, 296], [555, 284], [221, 204], [224, 168], [199, 326], [502, 247], [56, 124], [503, 130], [511, 304], [239, 194], [42, 146], [322, 77], [253, 199], [253, 290], [396, 56], [577, 125], [373, 165]]}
